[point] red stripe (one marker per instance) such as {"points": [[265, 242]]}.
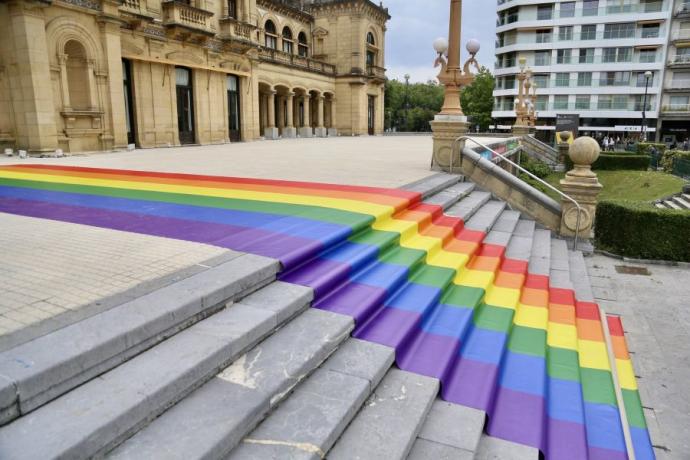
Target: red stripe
{"points": [[615, 325], [587, 310], [561, 296]]}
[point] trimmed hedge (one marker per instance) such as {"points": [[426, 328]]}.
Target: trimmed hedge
{"points": [[669, 156], [644, 147], [615, 161], [638, 230]]}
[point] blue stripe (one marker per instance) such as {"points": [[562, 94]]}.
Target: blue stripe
{"points": [[524, 373], [565, 401], [604, 427], [448, 321], [484, 345]]}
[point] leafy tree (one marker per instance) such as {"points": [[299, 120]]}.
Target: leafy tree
{"points": [[411, 108], [477, 99]]}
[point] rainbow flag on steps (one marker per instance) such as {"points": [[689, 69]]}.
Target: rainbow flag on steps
{"points": [[499, 338]]}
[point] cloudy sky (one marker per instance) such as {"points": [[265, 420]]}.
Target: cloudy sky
{"points": [[415, 24]]}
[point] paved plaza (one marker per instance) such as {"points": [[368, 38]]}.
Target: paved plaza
{"points": [[54, 273]]}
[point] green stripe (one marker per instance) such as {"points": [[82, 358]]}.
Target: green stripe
{"points": [[493, 318], [528, 341], [597, 386], [428, 275], [563, 364], [462, 296], [633, 408]]}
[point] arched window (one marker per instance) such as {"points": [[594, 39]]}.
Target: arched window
{"points": [[77, 76], [302, 46], [371, 50], [370, 39], [288, 45], [271, 35]]}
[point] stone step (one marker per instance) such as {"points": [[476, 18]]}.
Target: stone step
{"points": [[498, 449], [503, 229], [451, 195], [433, 184], [311, 420], [39, 371], [579, 277], [484, 219], [680, 201], [559, 276], [242, 394], [672, 205], [520, 244], [450, 431], [466, 207], [686, 197], [540, 258], [660, 205], [391, 419]]}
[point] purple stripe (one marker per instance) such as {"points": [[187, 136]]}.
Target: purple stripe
{"points": [[289, 250], [470, 383], [518, 417], [389, 326], [598, 453], [429, 354], [353, 299], [566, 440], [322, 275]]}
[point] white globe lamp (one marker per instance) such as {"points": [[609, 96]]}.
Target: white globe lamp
{"points": [[441, 45]]}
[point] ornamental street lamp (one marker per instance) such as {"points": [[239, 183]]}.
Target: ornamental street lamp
{"points": [[647, 76], [406, 106], [451, 75], [524, 105]]}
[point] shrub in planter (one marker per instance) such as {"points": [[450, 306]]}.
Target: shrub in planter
{"points": [[639, 230]]}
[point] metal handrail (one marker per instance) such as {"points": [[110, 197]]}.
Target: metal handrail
{"points": [[520, 168]]}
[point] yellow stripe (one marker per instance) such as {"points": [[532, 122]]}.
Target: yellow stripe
{"points": [[534, 317], [562, 336], [626, 374], [502, 297], [593, 355], [475, 278]]}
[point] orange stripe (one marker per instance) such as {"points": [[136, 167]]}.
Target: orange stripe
{"points": [[564, 314]]}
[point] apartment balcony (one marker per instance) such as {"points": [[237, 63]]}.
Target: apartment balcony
{"points": [[655, 35], [680, 61], [680, 111], [186, 22], [293, 60], [681, 35], [676, 86], [377, 73], [238, 36], [682, 12]]}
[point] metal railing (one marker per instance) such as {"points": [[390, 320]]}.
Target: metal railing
{"points": [[454, 149]]}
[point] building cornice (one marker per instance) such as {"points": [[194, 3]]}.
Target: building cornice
{"points": [[328, 7], [286, 9]]}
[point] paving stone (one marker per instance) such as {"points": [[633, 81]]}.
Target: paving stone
{"points": [[579, 277], [453, 425], [366, 360], [389, 423], [310, 421], [486, 216], [427, 450], [560, 279], [53, 364], [111, 407], [498, 449], [284, 299], [539, 266]]}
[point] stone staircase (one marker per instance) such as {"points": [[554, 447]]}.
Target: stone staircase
{"points": [[678, 202], [540, 151], [232, 363]]}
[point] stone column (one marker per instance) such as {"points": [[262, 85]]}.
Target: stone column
{"points": [[306, 131], [31, 89], [583, 186], [333, 128], [563, 147], [280, 116], [112, 48], [271, 132], [290, 131], [320, 130], [64, 85], [446, 129]]}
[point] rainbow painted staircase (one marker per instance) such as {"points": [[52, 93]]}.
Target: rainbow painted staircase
{"points": [[442, 325]]}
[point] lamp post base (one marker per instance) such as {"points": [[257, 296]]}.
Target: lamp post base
{"points": [[446, 129]]}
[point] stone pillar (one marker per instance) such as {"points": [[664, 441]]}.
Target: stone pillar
{"points": [[446, 129], [64, 85], [112, 48], [520, 131], [333, 128], [306, 131], [271, 132], [290, 131], [280, 116], [563, 147], [31, 89], [320, 130], [583, 186]]}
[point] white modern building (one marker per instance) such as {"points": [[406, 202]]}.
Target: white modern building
{"points": [[592, 58], [675, 101]]}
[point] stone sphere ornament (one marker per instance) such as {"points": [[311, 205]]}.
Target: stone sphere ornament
{"points": [[583, 152]]}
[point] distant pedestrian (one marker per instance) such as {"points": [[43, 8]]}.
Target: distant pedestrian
{"points": [[686, 144]]}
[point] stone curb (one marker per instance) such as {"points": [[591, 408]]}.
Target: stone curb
{"points": [[666, 263]]}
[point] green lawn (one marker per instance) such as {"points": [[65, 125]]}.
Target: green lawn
{"points": [[629, 185]]}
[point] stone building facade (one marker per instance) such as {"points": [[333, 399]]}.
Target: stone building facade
{"points": [[89, 75]]}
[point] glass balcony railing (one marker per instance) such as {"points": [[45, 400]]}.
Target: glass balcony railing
{"points": [[531, 39], [607, 10], [676, 108], [629, 106], [587, 83], [599, 59]]}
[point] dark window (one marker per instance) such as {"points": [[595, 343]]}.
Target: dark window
{"points": [[370, 39], [232, 8], [302, 45], [271, 35], [288, 45]]}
